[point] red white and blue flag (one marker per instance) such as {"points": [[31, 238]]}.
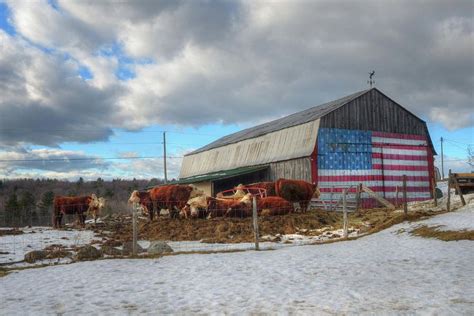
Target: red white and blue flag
{"points": [[376, 159]]}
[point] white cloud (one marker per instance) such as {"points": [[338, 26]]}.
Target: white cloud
{"points": [[228, 62]]}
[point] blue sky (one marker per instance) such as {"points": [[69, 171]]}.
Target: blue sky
{"points": [[127, 74]]}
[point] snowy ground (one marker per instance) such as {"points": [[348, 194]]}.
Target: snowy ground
{"points": [[390, 272], [463, 218], [14, 247]]}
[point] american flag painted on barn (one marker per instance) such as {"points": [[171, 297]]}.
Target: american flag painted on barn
{"points": [[376, 159]]}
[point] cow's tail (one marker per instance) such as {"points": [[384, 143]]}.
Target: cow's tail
{"points": [[277, 187]]}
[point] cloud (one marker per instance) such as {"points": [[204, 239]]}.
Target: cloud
{"points": [[193, 63], [45, 102], [47, 160]]}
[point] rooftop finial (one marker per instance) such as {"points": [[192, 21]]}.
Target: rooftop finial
{"points": [[371, 81]]}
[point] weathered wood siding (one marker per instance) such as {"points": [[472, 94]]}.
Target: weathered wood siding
{"points": [[374, 111], [298, 169], [289, 143]]}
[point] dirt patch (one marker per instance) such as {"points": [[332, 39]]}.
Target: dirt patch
{"points": [[227, 230], [13, 231], [445, 235], [233, 230]]}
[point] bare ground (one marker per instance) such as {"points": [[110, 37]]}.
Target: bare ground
{"points": [[232, 230]]}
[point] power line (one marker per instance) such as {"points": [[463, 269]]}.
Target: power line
{"points": [[101, 130], [85, 159]]}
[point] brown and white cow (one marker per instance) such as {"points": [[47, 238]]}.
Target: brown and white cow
{"points": [[172, 197], [296, 191], [79, 205], [143, 199], [273, 205]]}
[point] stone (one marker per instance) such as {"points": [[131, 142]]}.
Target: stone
{"points": [[35, 255], [111, 251], [88, 252], [128, 248], [158, 247]]}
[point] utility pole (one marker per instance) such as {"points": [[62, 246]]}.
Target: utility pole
{"points": [[442, 159], [164, 156]]}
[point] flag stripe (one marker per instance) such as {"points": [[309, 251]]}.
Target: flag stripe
{"points": [[397, 136], [376, 159]]}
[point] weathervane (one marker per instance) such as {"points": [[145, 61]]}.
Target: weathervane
{"points": [[371, 81]]}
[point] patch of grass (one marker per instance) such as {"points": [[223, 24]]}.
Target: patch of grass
{"points": [[445, 235]]}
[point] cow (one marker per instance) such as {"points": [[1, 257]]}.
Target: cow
{"points": [[195, 207], [238, 193], [144, 200], [79, 205], [241, 208], [95, 207], [296, 191], [268, 186], [172, 197], [273, 205]]}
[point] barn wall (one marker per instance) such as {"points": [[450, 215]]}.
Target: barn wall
{"points": [[205, 186], [299, 169], [289, 143], [374, 111]]}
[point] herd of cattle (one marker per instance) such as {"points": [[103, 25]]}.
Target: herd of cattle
{"points": [[187, 201]]}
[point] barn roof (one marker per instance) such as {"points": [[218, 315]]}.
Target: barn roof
{"points": [[298, 118]]}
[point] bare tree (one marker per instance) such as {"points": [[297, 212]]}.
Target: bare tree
{"points": [[470, 156]]}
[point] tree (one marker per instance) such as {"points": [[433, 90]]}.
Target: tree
{"points": [[46, 203], [27, 205], [470, 156], [11, 209]]}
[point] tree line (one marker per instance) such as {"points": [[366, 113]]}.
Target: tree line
{"points": [[30, 201]]}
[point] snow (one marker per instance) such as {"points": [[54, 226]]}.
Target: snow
{"points": [[463, 218], [37, 238], [391, 272]]}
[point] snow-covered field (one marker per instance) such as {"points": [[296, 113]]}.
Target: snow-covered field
{"points": [[14, 247], [391, 272]]}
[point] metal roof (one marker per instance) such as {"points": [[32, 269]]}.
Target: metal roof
{"points": [[298, 118], [220, 175]]}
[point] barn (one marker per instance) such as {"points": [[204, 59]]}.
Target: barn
{"points": [[365, 137]]}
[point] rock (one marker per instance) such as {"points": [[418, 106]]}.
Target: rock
{"points": [[88, 253], [111, 251], [128, 248], [35, 255], [158, 247]]}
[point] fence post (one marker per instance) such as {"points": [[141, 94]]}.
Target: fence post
{"points": [[135, 229], [255, 222], [448, 203], [405, 199], [396, 196], [358, 195], [330, 198], [344, 209], [434, 193]]}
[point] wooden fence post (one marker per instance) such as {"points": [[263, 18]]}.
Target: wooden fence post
{"points": [[405, 199], [255, 222], [458, 189], [396, 197], [135, 230], [434, 193], [358, 196], [448, 203], [344, 210], [330, 199]]}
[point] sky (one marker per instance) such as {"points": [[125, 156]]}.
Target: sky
{"points": [[88, 87]]}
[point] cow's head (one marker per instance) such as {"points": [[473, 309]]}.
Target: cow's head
{"points": [[247, 199], [134, 197], [95, 206]]}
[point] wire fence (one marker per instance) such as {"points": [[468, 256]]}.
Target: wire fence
{"points": [[215, 225]]}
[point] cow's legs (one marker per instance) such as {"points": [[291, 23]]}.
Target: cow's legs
{"points": [[153, 210], [59, 219]]}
